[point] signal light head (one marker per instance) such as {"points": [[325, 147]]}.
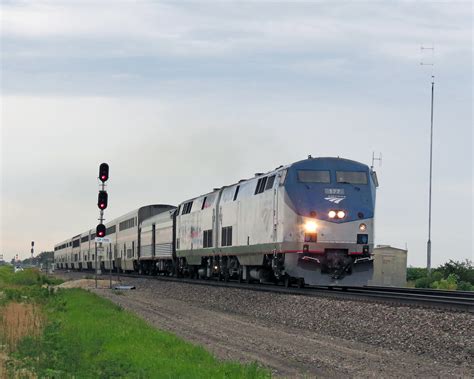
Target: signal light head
{"points": [[103, 199], [104, 172], [100, 230]]}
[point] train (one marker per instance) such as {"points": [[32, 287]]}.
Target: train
{"points": [[307, 223]]}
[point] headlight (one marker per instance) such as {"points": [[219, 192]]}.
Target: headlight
{"points": [[362, 227], [310, 227], [332, 214], [341, 214]]}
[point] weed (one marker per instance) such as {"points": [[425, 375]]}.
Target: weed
{"points": [[92, 337], [19, 320], [74, 333]]}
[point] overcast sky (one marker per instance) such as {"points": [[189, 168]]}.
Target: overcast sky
{"points": [[180, 98]]}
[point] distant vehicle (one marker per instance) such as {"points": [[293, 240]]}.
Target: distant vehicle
{"points": [[18, 268], [309, 222]]}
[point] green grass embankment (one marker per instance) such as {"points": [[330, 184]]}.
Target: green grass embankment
{"points": [[85, 336]]}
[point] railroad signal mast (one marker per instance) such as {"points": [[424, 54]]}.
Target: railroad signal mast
{"points": [[103, 198], [102, 202]]}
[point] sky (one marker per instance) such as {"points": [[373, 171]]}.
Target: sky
{"points": [[183, 97]]}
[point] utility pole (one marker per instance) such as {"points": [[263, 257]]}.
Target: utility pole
{"points": [[428, 244]]}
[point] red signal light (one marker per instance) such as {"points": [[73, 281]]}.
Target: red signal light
{"points": [[100, 230], [102, 201], [103, 172]]}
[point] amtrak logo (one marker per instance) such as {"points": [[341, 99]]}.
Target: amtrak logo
{"points": [[335, 199]]}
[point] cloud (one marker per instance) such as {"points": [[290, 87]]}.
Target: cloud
{"points": [[228, 29]]}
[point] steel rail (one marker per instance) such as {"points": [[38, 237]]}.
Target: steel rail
{"points": [[428, 298], [426, 291]]}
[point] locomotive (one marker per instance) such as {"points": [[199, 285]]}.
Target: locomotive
{"points": [[309, 222]]}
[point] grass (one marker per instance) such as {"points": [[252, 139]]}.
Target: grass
{"points": [[19, 320], [77, 334], [92, 337], [29, 285], [29, 277]]}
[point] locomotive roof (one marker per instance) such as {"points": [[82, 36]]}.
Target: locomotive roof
{"points": [[329, 163], [320, 159], [330, 159]]}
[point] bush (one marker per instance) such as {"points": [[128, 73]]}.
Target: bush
{"points": [[436, 276], [465, 286], [28, 277], [463, 270], [27, 294], [414, 273], [450, 276], [424, 282], [446, 284]]}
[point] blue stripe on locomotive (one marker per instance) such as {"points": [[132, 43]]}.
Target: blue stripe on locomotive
{"points": [[305, 198]]}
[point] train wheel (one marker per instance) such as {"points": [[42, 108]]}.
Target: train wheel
{"points": [[301, 283], [287, 282], [248, 280]]}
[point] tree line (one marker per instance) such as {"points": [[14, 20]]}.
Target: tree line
{"points": [[45, 258], [453, 275]]}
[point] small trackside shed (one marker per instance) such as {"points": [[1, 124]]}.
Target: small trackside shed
{"points": [[390, 266]]}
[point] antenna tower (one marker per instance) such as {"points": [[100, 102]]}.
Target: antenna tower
{"points": [[428, 244], [374, 158]]}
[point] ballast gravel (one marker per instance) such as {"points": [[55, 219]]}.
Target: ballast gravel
{"points": [[308, 336], [439, 334]]}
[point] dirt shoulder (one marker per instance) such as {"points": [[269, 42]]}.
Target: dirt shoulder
{"points": [[288, 350]]}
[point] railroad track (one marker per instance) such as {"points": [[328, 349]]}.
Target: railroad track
{"points": [[428, 298]]}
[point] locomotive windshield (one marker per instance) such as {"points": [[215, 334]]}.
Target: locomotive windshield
{"points": [[313, 176], [351, 177]]}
